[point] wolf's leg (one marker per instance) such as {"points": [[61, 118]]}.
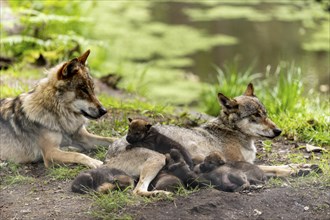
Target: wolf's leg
{"points": [[90, 141], [56, 155], [49, 143], [149, 171], [288, 170]]}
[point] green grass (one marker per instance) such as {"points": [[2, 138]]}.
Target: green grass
{"points": [[17, 179], [64, 172], [135, 104], [13, 175], [113, 204]]}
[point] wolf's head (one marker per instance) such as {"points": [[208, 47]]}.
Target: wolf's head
{"points": [[138, 129], [247, 114], [75, 88]]}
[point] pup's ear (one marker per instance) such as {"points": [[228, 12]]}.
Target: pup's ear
{"points": [[82, 59], [226, 103], [148, 126], [68, 69], [249, 90], [130, 120]]}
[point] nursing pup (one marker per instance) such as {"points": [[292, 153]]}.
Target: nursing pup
{"points": [[229, 176], [102, 180], [142, 134]]}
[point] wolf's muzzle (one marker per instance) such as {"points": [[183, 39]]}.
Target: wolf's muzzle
{"points": [[277, 132], [102, 111]]}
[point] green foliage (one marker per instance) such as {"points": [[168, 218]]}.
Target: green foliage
{"points": [[44, 30], [12, 91], [285, 89], [228, 79]]}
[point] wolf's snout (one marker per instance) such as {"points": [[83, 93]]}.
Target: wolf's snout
{"points": [[102, 111], [277, 131]]}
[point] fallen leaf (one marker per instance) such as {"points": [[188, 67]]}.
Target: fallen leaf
{"points": [[311, 148]]}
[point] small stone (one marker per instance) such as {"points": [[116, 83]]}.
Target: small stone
{"points": [[256, 212], [306, 208]]}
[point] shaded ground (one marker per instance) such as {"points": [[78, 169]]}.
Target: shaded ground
{"points": [[276, 203], [47, 198]]}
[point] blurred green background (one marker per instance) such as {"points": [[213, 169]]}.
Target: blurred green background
{"points": [[179, 53]]}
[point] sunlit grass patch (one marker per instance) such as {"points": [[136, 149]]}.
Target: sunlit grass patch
{"points": [[134, 104], [113, 205], [17, 179], [12, 175], [12, 91], [64, 172]]}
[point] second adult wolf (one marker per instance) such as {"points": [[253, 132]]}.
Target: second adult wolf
{"points": [[241, 121]]}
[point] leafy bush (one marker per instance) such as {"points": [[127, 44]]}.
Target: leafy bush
{"points": [[53, 29]]}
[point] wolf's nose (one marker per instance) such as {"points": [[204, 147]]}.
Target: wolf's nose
{"points": [[277, 131], [102, 111]]}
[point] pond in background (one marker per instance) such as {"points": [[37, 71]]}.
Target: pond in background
{"points": [[260, 43]]}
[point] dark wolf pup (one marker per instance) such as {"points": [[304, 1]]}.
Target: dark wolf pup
{"points": [[102, 180], [142, 134], [34, 125], [231, 176]]}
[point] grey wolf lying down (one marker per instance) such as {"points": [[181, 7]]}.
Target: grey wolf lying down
{"points": [[241, 121], [35, 125]]}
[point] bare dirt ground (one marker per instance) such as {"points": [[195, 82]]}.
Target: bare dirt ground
{"points": [[48, 198]]}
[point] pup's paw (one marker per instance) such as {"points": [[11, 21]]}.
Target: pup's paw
{"points": [[93, 163], [140, 192], [105, 187], [306, 169]]}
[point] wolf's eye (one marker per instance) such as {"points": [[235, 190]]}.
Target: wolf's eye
{"points": [[84, 90], [257, 115], [253, 118]]}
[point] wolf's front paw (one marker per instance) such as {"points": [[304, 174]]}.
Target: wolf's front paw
{"points": [[93, 163], [112, 139]]}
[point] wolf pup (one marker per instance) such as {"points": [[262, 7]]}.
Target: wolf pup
{"points": [[230, 176], [102, 180], [141, 134], [34, 125]]}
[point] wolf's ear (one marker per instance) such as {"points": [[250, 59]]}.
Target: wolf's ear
{"points": [[130, 120], [68, 69], [82, 59], [148, 126], [226, 103], [249, 90]]}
